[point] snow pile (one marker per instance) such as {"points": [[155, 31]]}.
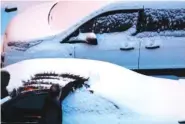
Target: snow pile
{"points": [[116, 91]]}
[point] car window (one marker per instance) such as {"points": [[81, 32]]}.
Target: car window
{"points": [[109, 22], [157, 20], [30, 102]]}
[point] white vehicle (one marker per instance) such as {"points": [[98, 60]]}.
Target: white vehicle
{"points": [[118, 95], [62, 33]]}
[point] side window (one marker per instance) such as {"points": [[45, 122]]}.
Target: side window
{"points": [[109, 22], [162, 19]]}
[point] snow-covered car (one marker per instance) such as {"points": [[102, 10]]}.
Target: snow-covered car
{"points": [[108, 94], [139, 35]]}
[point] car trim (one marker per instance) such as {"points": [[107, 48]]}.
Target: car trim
{"points": [[170, 71]]}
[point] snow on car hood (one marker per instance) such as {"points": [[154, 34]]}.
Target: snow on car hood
{"points": [[36, 22], [154, 98], [30, 24]]}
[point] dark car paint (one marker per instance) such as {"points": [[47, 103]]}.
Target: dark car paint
{"points": [[22, 115]]}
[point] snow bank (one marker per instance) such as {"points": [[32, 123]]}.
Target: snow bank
{"points": [[153, 98]]}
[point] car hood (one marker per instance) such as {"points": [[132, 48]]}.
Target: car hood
{"points": [[37, 21]]}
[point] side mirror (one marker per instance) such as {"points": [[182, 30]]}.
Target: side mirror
{"points": [[91, 41], [87, 38]]}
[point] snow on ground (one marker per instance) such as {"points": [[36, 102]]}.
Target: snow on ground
{"points": [[120, 95]]}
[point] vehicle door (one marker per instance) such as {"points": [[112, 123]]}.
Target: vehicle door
{"points": [[108, 37]]}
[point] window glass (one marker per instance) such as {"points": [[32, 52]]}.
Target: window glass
{"points": [[111, 22], [31, 102], [163, 19]]}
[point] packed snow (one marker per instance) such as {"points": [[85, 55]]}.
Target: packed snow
{"points": [[120, 95]]}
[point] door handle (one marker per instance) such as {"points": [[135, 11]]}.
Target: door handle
{"points": [[152, 47], [126, 48]]}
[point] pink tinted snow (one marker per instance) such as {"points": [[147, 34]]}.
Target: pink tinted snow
{"points": [[67, 13], [33, 22], [30, 24]]}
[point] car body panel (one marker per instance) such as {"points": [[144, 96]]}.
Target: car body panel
{"points": [[170, 54]]}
